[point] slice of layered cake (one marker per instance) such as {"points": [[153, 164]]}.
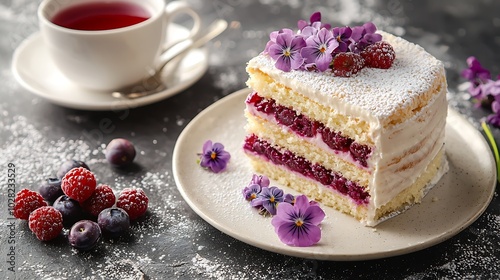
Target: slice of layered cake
{"points": [[351, 117]]}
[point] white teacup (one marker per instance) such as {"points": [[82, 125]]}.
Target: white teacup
{"points": [[108, 59]]}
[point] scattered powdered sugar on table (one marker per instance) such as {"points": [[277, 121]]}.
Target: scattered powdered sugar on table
{"points": [[216, 270], [479, 254], [126, 268], [36, 157]]}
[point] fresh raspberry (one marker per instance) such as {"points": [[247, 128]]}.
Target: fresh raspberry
{"points": [[379, 55], [25, 202], [102, 198], [78, 184], [133, 201], [346, 64], [46, 223]]}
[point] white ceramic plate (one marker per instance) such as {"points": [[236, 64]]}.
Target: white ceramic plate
{"points": [[35, 71], [459, 199]]}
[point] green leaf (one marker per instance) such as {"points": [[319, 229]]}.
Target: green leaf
{"points": [[493, 144]]}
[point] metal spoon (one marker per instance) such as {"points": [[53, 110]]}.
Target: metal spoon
{"points": [[154, 83]]}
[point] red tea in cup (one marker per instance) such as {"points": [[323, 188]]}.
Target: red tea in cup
{"points": [[107, 45], [101, 16]]}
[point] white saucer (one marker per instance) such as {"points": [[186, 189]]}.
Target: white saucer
{"points": [[35, 71], [459, 198]]}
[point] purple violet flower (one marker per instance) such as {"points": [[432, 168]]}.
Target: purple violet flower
{"points": [[269, 198], [343, 37], [286, 51], [319, 49], [475, 73], [298, 225], [214, 157], [363, 36]]}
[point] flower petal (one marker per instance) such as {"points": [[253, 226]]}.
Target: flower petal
{"points": [[297, 43], [286, 211], [217, 147], [207, 146], [324, 35], [287, 233], [309, 54], [303, 236], [301, 202], [357, 33], [284, 63], [264, 181], [369, 27], [275, 51], [308, 237], [218, 165], [323, 61], [314, 215], [308, 31], [283, 40], [269, 206], [223, 156], [316, 16], [273, 36], [301, 24]]}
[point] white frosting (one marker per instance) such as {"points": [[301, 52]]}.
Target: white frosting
{"points": [[402, 151], [424, 133]]}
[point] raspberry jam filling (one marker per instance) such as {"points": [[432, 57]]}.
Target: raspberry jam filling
{"points": [[300, 165], [305, 127]]}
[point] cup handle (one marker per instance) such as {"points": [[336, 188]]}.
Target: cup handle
{"points": [[177, 7]]}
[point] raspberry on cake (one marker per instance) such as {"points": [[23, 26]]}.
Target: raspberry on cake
{"points": [[365, 136]]}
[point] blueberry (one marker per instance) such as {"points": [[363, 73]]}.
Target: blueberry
{"points": [[84, 235], [120, 152], [70, 164], [113, 221], [70, 209], [51, 189]]}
